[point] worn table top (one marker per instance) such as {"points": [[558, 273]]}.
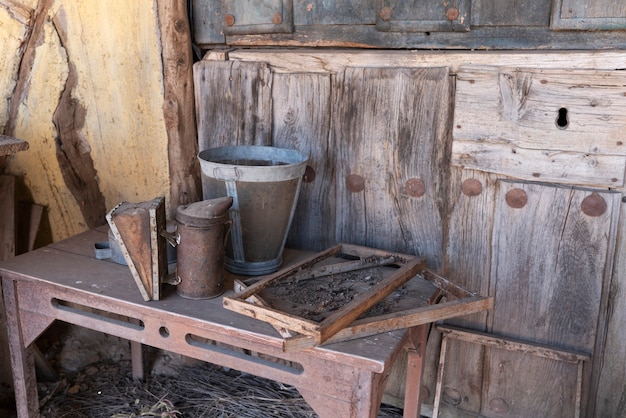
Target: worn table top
{"points": [[71, 263]]}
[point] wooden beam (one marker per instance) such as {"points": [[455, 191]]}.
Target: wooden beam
{"points": [[7, 217], [178, 103]]}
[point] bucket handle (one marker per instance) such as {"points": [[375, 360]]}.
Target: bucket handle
{"points": [[229, 174], [229, 227], [172, 237]]}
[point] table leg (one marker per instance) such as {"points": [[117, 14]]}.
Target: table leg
{"points": [[22, 358], [136, 358], [365, 395], [416, 350]]}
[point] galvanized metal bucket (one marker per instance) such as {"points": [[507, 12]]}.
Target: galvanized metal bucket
{"points": [[264, 183], [200, 237]]}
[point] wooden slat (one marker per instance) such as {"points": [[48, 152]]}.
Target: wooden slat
{"points": [[232, 103], [503, 117], [447, 286], [288, 271], [362, 302], [549, 271], [301, 121], [274, 317], [332, 61], [467, 247], [549, 288], [610, 380], [511, 344], [398, 320], [388, 147]]}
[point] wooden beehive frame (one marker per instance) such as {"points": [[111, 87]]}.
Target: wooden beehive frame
{"points": [[511, 344], [341, 325]]}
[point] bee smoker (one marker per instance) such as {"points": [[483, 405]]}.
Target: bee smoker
{"points": [[202, 229]]}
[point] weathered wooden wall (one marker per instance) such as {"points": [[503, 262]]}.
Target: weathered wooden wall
{"points": [[468, 167], [102, 91], [412, 24]]}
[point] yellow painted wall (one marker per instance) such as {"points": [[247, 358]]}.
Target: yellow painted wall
{"points": [[114, 48]]}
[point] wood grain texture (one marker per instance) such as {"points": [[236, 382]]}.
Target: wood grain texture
{"points": [[495, 13], [233, 103], [333, 60], [178, 104], [390, 130], [478, 38], [467, 247], [588, 15], [561, 126], [301, 120], [550, 267], [610, 400]]}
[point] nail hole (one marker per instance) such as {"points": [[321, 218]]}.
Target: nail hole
{"points": [[562, 121], [164, 332]]}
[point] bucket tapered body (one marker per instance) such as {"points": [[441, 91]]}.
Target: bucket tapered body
{"points": [[264, 183]]}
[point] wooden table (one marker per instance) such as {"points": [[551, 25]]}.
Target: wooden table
{"points": [[65, 282]]}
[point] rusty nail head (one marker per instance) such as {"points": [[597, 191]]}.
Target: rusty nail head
{"points": [[309, 174], [355, 183], [277, 19], [499, 405], [229, 20], [452, 13], [593, 205], [385, 13], [471, 187], [415, 187], [516, 198]]}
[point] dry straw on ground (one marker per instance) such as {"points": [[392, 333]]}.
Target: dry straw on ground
{"points": [[108, 390]]}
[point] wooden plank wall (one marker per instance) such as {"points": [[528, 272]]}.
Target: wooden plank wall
{"points": [[305, 124], [381, 173], [390, 135]]}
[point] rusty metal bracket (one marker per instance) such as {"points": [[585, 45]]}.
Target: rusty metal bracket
{"points": [[267, 16]]}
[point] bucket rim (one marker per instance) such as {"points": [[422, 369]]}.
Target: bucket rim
{"points": [[287, 163], [292, 156]]}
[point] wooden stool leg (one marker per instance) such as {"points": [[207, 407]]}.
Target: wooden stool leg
{"points": [[415, 369], [22, 358]]}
